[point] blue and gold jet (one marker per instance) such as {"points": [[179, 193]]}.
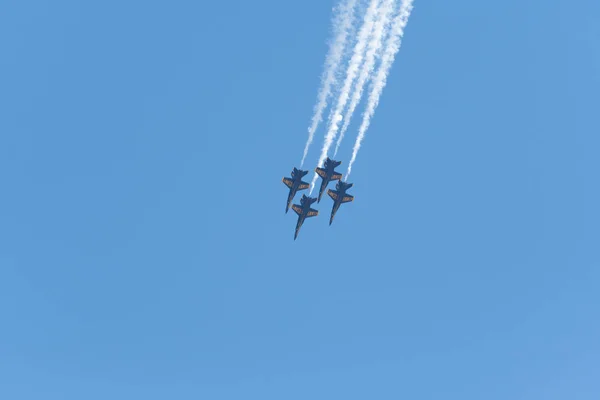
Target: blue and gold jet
{"points": [[328, 174], [339, 197], [304, 211], [295, 184]]}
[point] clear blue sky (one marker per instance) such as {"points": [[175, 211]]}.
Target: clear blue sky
{"points": [[144, 248]]}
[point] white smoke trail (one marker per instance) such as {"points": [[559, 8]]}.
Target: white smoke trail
{"points": [[351, 71], [391, 48], [343, 22], [380, 31]]}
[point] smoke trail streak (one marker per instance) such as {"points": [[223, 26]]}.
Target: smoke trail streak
{"points": [[380, 31], [351, 71], [380, 80], [342, 25]]}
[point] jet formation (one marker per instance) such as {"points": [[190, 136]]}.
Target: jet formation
{"points": [[327, 174]]}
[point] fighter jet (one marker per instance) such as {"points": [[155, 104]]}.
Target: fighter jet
{"points": [[295, 183], [339, 197], [328, 174], [304, 211]]}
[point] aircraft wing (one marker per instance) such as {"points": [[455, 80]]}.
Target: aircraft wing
{"points": [[347, 198], [303, 185], [336, 177], [321, 172], [297, 209], [312, 213], [288, 182], [333, 194]]}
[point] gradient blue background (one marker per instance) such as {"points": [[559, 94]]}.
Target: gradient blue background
{"points": [[144, 249]]}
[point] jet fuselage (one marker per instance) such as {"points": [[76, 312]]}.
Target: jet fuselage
{"points": [[339, 197], [295, 184], [304, 211], [328, 174]]}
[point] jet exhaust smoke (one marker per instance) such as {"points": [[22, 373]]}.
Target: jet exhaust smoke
{"points": [[380, 31], [391, 49], [343, 21], [351, 72]]}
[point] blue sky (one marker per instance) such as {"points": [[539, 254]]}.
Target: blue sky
{"points": [[144, 249]]}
